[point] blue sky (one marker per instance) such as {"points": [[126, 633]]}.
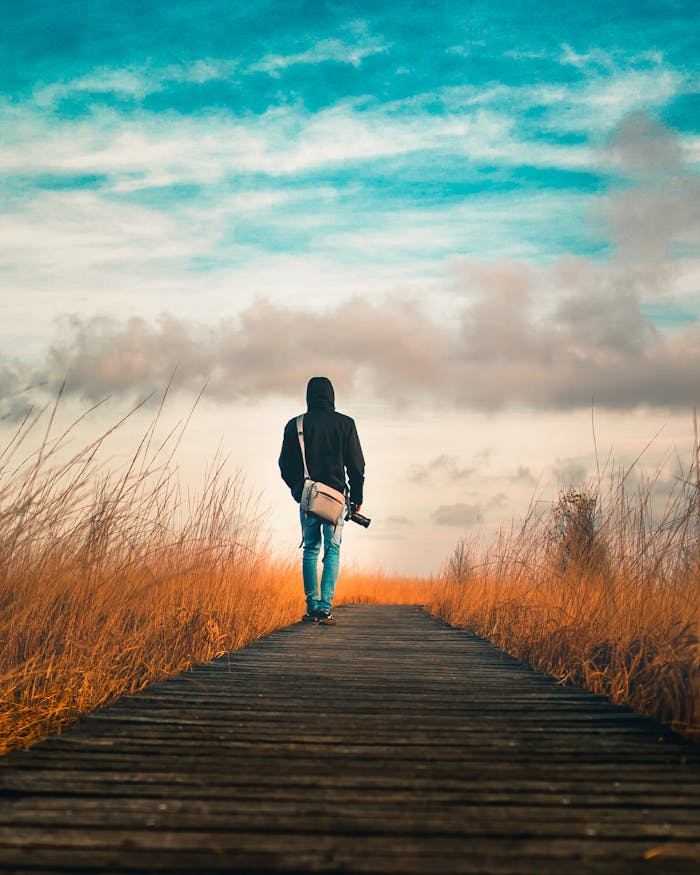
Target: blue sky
{"points": [[344, 119], [483, 211]]}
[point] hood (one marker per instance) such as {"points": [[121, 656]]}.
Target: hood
{"points": [[320, 394]]}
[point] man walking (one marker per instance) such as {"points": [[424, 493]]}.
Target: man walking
{"points": [[332, 447]]}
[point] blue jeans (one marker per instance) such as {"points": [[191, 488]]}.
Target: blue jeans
{"points": [[332, 537]]}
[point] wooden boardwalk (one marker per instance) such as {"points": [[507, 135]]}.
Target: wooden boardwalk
{"points": [[390, 743]]}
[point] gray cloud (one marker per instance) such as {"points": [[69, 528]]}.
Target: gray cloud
{"points": [[267, 350], [503, 354], [499, 501], [570, 472], [442, 468], [459, 514], [18, 384], [397, 520], [658, 210], [522, 474], [645, 147]]}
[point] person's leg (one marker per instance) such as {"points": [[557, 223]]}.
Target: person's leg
{"points": [[311, 529], [332, 538]]}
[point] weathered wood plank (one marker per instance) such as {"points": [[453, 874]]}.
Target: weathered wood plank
{"points": [[430, 816], [205, 785], [366, 795], [391, 743], [343, 856]]}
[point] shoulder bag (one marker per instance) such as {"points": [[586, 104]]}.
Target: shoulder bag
{"points": [[318, 499]]}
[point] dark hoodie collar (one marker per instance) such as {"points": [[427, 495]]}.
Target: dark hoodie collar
{"points": [[320, 394]]}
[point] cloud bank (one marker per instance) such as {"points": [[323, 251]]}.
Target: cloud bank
{"points": [[502, 349]]}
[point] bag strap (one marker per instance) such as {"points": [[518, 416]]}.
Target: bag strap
{"points": [[300, 435]]}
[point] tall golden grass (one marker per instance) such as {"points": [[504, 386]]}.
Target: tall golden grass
{"points": [[614, 608], [109, 581]]}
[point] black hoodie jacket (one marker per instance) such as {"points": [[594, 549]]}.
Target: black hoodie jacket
{"points": [[331, 443]]}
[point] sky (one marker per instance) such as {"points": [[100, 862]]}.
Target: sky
{"points": [[481, 223]]}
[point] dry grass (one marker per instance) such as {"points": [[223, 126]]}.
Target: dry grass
{"points": [[378, 588], [618, 614], [111, 581]]}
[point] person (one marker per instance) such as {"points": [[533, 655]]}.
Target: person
{"points": [[332, 448]]}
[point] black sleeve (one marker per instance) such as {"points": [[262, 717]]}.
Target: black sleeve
{"points": [[290, 461], [355, 464]]}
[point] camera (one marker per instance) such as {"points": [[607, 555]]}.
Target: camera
{"points": [[360, 519]]}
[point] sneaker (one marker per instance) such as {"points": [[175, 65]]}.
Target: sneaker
{"points": [[325, 618], [310, 618]]}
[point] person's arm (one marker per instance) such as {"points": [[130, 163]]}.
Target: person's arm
{"points": [[355, 466], [290, 461]]}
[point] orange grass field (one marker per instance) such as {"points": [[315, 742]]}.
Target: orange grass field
{"points": [[620, 618], [109, 581]]}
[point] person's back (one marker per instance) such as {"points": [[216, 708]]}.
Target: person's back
{"points": [[332, 448]]}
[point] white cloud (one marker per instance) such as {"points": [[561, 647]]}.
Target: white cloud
{"points": [[282, 141], [605, 102], [336, 50], [201, 70], [137, 81], [79, 231], [595, 58], [130, 82], [610, 61], [479, 125]]}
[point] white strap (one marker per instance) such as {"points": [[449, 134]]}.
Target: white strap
{"points": [[300, 435]]}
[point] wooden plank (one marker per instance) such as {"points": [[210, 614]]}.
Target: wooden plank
{"points": [[343, 856], [119, 783], [430, 816], [390, 743], [130, 797]]}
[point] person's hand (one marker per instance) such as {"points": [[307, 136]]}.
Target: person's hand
{"points": [[358, 507]]}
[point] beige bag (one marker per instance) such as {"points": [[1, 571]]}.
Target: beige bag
{"points": [[317, 499]]}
